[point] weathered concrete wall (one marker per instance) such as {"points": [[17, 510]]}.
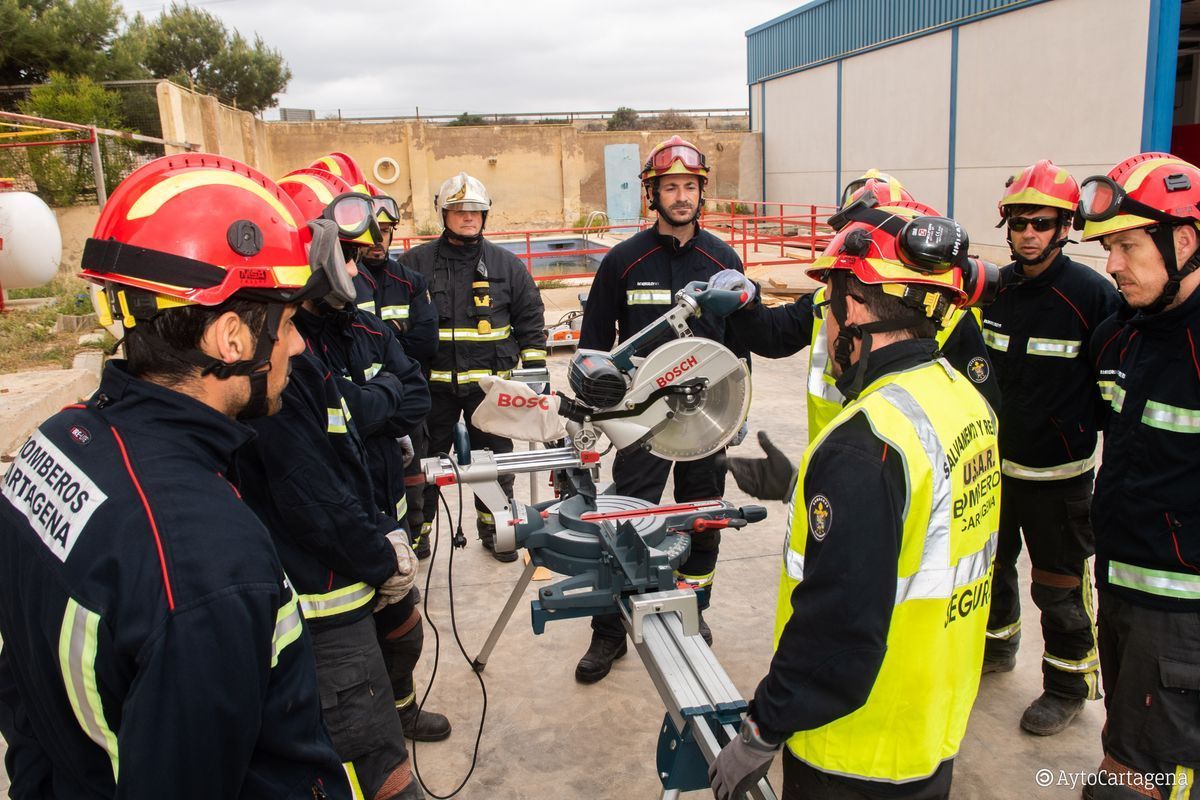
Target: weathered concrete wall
{"points": [[539, 176], [76, 224]]}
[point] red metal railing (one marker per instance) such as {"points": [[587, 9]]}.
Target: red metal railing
{"points": [[531, 237], [767, 233], [763, 233]]}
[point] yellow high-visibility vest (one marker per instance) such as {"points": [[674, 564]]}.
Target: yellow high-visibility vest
{"points": [[916, 714]]}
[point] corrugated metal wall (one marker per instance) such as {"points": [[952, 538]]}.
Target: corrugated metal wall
{"points": [[829, 29]]}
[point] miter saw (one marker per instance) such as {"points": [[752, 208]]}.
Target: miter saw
{"points": [[681, 398]]}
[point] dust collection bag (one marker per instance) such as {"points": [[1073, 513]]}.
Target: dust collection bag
{"points": [[514, 410]]}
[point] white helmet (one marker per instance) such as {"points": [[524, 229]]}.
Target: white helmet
{"points": [[462, 193]]}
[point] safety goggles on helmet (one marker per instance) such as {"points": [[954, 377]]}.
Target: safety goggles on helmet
{"points": [[354, 215], [386, 209], [1102, 198], [690, 157]]}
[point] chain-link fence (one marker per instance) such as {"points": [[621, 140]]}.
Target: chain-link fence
{"points": [[55, 160]]}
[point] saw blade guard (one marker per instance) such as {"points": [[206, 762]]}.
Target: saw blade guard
{"points": [[687, 401]]}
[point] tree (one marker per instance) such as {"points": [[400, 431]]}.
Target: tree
{"points": [[465, 119], [669, 121], [623, 119], [192, 47], [68, 36], [64, 173]]}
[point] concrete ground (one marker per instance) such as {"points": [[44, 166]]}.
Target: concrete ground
{"points": [[546, 736]]}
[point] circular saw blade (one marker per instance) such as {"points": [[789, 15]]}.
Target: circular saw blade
{"points": [[695, 431]]}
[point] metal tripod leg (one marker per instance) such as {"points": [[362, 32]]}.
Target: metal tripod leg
{"points": [[505, 615]]}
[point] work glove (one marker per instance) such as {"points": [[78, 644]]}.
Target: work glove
{"points": [[734, 281], [740, 436], [395, 588], [741, 763], [406, 449], [770, 478]]}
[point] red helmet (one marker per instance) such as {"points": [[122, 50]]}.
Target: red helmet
{"points": [[197, 228], [386, 210], [1040, 184], [345, 168], [314, 192], [673, 157], [907, 245], [1145, 190], [883, 187]]}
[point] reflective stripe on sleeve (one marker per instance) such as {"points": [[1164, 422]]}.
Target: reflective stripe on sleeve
{"points": [[469, 376], [996, 341], [287, 627], [533, 354], [1118, 398], [1106, 390], [338, 418], [1171, 418], [394, 312], [1058, 348], [368, 306], [77, 645], [372, 371]]}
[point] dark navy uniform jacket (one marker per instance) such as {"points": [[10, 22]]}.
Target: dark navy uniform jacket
{"points": [[305, 475], [1038, 333], [636, 283], [1146, 508], [385, 391], [400, 297], [150, 633]]}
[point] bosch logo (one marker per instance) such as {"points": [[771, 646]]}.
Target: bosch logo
{"points": [[674, 372], [514, 401]]}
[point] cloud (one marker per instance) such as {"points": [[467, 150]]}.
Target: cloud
{"points": [[374, 58]]}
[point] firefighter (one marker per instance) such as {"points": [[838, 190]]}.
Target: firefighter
{"points": [[490, 316], [1037, 335], [883, 595], [1145, 510], [153, 646], [387, 397], [785, 330], [634, 285], [400, 297]]}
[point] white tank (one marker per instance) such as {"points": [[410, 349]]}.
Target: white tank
{"points": [[30, 241]]}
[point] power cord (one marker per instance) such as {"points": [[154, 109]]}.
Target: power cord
{"points": [[459, 541]]}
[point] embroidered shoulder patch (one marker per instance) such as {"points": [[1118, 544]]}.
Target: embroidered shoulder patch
{"points": [[820, 516], [978, 369]]}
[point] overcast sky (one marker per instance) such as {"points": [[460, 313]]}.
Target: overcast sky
{"points": [[449, 56]]}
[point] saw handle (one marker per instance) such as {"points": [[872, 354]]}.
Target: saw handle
{"points": [[719, 302]]}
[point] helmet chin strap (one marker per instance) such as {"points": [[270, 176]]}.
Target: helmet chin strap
{"points": [[255, 368], [843, 348], [1164, 240]]}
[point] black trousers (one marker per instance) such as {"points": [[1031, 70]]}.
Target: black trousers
{"points": [[448, 408], [356, 703], [637, 473], [401, 637], [1150, 660], [1053, 516], [802, 782]]}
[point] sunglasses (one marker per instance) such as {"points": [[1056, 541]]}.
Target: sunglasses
{"points": [[1040, 224]]}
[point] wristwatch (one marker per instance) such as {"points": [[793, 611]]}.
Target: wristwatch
{"points": [[752, 736]]}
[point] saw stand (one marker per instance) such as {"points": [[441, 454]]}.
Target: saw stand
{"points": [[620, 554]]}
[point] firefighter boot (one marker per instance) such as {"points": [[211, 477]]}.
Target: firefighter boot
{"points": [[1051, 714], [421, 543], [599, 658], [705, 631], [423, 726], [488, 537]]}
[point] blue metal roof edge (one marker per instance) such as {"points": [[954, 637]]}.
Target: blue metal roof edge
{"points": [[788, 15], [878, 45], [1158, 100]]}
